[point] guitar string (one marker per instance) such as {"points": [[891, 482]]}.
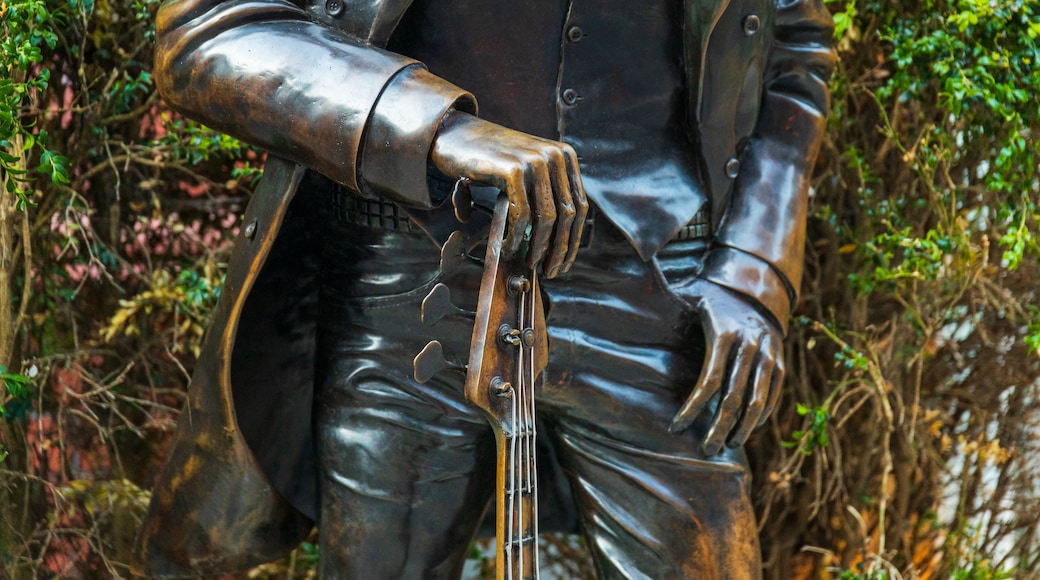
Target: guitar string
{"points": [[528, 417], [528, 432], [521, 421], [534, 424], [512, 494]]}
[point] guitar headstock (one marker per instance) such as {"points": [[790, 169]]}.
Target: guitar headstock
{"points": [[509, 326]]}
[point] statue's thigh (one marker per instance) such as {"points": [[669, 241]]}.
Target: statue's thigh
{"points": [[652, 515], [403, 483], [624, 354], [403, 466]]}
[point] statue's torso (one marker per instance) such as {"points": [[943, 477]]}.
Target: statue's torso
{"points": [[605, 76]]}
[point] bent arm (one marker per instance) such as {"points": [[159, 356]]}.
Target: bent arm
{"points": [[263, 72], [760, 242]]}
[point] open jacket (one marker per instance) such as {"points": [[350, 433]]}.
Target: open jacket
{"points": [[309, 82]]}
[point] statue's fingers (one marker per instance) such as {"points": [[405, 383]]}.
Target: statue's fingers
{"points": [[543, 209], [707, 385], [729, 409], [756, 406], [775, 386], [518, 217], [565, 211], [581, 205]]}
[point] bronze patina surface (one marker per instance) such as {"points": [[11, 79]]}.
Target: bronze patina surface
{"points": [[616, 128]]}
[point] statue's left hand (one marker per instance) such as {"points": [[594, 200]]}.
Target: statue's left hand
{"points": [[744, 362]]}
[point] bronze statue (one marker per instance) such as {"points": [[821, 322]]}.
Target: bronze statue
{"points": [[691, 125]]}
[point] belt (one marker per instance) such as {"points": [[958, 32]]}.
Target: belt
{"points": [[699, 227], [387, 215], [374, 213]]}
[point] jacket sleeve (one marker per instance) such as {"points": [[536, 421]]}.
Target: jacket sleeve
{"points": [[760, 241], [264, 72]]}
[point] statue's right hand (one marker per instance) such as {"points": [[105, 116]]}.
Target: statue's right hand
{"points": [[540, 178]]}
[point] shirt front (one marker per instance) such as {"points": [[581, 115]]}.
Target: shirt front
{"points": [[605, 76]]}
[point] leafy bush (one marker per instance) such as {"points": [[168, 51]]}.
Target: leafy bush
{"points": [[114, 227], [919, 338]]}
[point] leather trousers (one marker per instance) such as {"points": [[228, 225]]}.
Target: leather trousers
{"points": [[407, 469]]}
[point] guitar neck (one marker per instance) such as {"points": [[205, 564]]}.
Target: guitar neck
{"points": [[517, 495]]}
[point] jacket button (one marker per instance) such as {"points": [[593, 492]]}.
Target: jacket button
{"points": [[333, 7], [570, 96], [733, 168], [752, 24], [250, 232], [574, 33]]}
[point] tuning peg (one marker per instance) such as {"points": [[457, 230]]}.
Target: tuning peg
{"points": [[462, 200], [453, 253], [431, 361], [438, 304]]}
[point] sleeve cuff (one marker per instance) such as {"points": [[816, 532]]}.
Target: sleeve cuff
{"points": [[400, 133], [753, 278]]}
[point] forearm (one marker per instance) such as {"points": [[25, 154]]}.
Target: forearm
{"points": [[264, 73], [762, 235]]}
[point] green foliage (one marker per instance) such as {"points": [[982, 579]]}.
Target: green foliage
{"points": [[852, 359], [14, 399], [981, 570], [29, 27], [182, 304], [921, 334], [860, 573], [195, 143], [111, 272], [815, 436], [845, 18], [125, 91], [977, 63], [1032, 338], [308, 555], [17, 387]]}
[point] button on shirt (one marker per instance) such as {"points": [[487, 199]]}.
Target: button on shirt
{"points": [[605, 76]]}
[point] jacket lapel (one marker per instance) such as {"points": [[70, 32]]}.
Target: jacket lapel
{"points": [[699, 20]]}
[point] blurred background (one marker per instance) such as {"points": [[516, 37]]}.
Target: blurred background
{"points": [[906, 445]]}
